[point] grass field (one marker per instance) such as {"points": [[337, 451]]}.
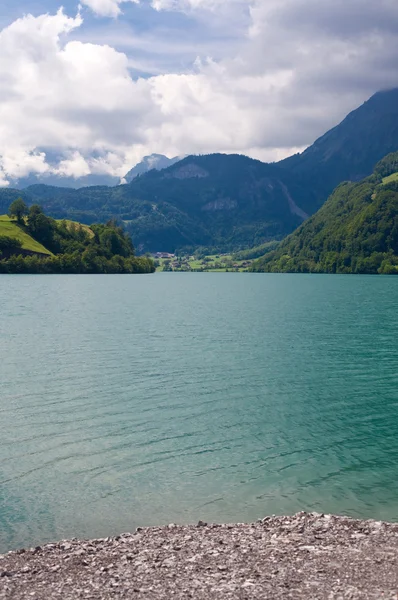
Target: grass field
{"points": [[10, 229], [390, 178]]}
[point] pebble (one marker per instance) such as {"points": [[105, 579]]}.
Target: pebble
{"points": [[304, 557]]}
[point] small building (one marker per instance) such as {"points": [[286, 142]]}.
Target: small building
{"points": [[163, 255]]}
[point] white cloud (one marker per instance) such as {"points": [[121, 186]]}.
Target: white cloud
{"points": [[3, 181], [75, 166], [111, 8], [73, 96], [299, 68], [106, 8], [183, 5], [19, 162]]}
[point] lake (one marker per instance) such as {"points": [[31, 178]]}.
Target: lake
{"points": [[174, 397]]}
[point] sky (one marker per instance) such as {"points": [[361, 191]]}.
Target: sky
{"points": [[91, 88]]}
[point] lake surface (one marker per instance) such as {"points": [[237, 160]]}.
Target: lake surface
{"points": [[145, 400]]}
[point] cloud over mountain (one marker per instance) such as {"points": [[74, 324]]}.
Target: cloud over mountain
{"points": [[295, 67]]}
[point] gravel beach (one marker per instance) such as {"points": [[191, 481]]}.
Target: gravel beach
{"points": [[304, 556]]}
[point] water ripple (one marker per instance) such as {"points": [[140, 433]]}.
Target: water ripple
{"points": [[178, 398]]}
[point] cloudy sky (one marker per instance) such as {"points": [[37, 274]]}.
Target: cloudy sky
{"points": [[92, 88]]}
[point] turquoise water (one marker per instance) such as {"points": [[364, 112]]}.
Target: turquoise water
{"points": [[140, 400]]}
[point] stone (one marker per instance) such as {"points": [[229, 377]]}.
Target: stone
{"points": [[202, 524], [279, 558]]}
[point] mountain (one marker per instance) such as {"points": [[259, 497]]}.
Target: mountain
{"points": [[153, 161], [350, 151], [53, 158], [224, 201], [8, 195], [219, 201], [64, 181], [231, 202], [355, 231]]}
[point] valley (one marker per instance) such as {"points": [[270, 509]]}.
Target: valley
{"points": [[228, 203]]}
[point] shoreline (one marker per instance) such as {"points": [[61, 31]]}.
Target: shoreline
{"points": [[305, 556]]}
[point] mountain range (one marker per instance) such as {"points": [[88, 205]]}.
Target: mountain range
{"points": [[230, 202], [153, 161]]}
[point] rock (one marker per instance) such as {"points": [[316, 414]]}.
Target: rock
{"points": [[66, 546], [248, 584], [278, 558]]}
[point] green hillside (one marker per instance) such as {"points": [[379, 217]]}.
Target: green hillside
{"points": [[390, 178], [9, 228], [40, 244], [72, 225], [356, 231]]}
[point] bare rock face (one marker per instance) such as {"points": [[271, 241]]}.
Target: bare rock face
{"points": [[220, 204], [153, 161], [307, 556], [188, 171]]}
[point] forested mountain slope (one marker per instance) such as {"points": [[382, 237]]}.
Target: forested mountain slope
{"points": [[223, 201], [355, 231], [350, 151], [231, 202]]}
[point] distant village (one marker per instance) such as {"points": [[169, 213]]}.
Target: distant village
{"points": [[166, 261], [163, 255]]}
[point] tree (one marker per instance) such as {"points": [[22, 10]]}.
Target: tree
{"points": [[18, 209], [40, 226], [75, 249], [9, 246]]}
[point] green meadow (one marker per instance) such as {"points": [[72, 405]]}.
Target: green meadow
{"points": [[390, 178], [9, 228]]}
